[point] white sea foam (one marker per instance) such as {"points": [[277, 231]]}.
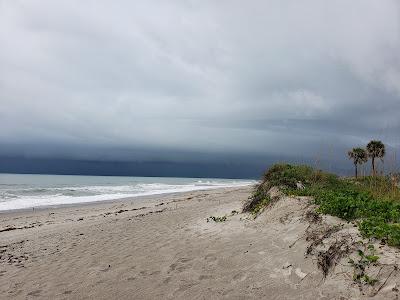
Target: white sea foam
{"points": [[25, 197]]}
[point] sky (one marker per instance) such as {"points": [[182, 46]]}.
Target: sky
{"points": [[205, 81]]}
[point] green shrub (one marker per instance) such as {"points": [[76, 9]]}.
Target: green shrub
{"points": [[377, 227], [286, 176], [257, 199], [382, 187], [260, 205], [373, 201]]}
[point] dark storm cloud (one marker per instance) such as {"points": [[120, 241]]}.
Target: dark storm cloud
{"points": [[89, 78]]}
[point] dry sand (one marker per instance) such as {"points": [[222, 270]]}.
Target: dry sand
{"points": [[164, 248]]}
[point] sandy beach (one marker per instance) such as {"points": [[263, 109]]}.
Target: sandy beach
{"points": [[163, 247]]}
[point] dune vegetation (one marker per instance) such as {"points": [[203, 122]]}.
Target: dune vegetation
{"points": [[372, 202]]}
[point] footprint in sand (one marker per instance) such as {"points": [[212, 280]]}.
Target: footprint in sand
{"points": [[35, 293], [239, 277], [67, 292], [149, 273], [106, 269], [180, 265], [167, 280], [205, 277], [289, 273], [210, 258]]}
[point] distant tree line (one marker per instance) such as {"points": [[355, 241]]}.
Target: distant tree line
{"points": [[374, 150]]}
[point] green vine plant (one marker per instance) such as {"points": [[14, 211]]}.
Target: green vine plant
{"points": [[217, 219], [364, 260], [221, 219]]}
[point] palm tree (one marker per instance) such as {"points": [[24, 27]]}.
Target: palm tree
{"points": [[375, 149], [359, 156]]}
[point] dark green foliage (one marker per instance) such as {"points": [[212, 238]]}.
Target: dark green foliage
{"points": [[223, 218], [352, 204], [257, 199], [378, 228], [347, 205], [375, 149], [372, 201], [286, 177], [260, 205], [217, 219], [359, 156]]}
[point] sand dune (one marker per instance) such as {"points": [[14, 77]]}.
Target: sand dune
{"points": [[164, 248]]}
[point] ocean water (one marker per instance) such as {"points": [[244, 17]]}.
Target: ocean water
{"points": [[21, 191]]}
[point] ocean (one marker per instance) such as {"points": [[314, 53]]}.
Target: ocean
{"points": [[23, 191]]}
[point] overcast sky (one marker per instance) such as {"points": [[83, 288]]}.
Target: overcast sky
{"points": [[156, 79]]}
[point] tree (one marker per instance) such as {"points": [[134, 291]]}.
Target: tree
{"points": [[359, 156], [375, 149]]}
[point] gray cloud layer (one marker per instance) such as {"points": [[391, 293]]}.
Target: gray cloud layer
{"points": [[256, 77]]}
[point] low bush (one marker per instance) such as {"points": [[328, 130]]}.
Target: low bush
{"points": [[287, 177], [382, 187], [377, 227], [257, 200], [372, 201]]}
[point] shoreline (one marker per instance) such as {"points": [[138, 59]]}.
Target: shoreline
{"points": [[128, 198], [122, 198]]}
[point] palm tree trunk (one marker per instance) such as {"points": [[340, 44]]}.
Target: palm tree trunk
{"points": [[373, 166], [356, 170]]}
